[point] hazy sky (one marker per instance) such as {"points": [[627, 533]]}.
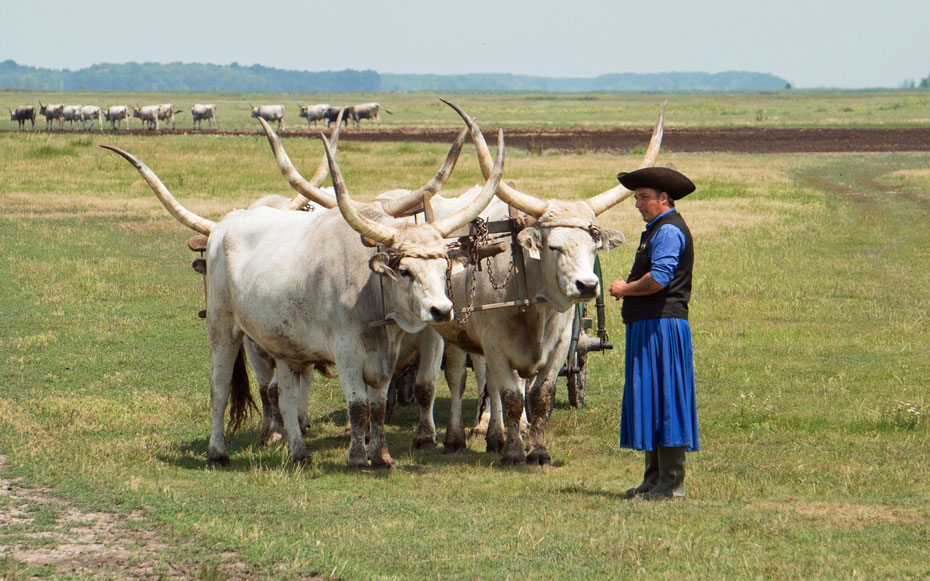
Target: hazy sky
{"points": [[809, 43]]}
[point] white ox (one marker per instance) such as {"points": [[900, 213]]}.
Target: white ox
{"points": [[148, 114], [258, 281], [202, 113], [366, 111], [559, 242], [91, 113], [71, 114], [314, 113], [399, 203], [269, 113], [52, 113], [166, 113], [115, 116]]}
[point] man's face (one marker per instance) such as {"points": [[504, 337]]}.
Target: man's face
{"points": [[651, 203]]}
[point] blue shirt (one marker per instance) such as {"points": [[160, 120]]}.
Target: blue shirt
{"points": [[665, 249]]}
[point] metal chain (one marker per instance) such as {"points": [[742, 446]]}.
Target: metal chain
{"points": [[483, 238]]}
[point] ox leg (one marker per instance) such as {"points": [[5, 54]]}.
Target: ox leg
{"points": [[503, 380], [290, 401], [455, 378], [356, 394], [223, 360], [425, 390], [377, 446], [264, 367], [539, 399], [495, 438]]}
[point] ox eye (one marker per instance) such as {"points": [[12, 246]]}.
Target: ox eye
{"points": [[406, 273]]}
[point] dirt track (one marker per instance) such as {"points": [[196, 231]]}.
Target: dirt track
{"points": [[739, 140]]}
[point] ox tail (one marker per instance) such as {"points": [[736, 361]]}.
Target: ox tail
{"points": [[180, 213], [386, 111], [325, 370], [240, 394]]}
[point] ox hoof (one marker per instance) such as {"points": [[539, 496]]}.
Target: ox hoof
{"points": [[218, 461], [272, 438], [424, 444], [518, 461], [383, 465], [495, 447], [453, 447], [539, 458], [300, 459], [357, 466]]}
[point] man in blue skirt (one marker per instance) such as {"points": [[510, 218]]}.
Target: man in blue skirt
{"points": [[659, 411]]}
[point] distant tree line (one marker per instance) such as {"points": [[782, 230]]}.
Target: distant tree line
{"points": [[183, 77]]}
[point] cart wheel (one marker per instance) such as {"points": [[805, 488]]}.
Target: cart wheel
{"points": [[576, 380]]}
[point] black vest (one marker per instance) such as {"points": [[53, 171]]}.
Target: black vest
{"points": [[672, 301]]}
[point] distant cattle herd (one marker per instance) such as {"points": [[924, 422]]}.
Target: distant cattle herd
{"points": [[155, 117]]}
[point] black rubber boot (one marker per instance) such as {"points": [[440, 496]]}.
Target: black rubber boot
{"points": [[650, 475], [671, 475]]}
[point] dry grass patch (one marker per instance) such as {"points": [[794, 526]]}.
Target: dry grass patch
{"points": [[846, 515]]}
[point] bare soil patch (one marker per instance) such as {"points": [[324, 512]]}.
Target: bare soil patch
{"points": [[91, 544], [686, 140]]}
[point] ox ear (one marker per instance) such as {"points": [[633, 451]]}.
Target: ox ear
{"points": [[530, 239], [380, 264], [610, 239]]}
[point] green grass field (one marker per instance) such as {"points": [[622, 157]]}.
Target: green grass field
{"points": [[809, 312], [781, 109]]}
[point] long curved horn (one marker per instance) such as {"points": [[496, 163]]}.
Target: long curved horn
{"points": [[523, 202], [307, 191], [380, 233], [182, 214], [455, 221], [606, 200], [403, 205]]}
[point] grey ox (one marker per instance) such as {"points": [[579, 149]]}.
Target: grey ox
{"points": [[202, 113], [166, 113], [115, 116], [91, 113], [23, 114], [52, 113], [71, 114], [366, 111], [148, 114], [559, 244], [399, 203], [309, 308], [314, 113], [269, 113]]}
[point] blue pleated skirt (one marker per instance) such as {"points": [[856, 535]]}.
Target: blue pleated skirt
{"points": [[659, 407]]}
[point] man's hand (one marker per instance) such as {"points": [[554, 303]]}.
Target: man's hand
{"points": [[617, 288], [644, 286]]}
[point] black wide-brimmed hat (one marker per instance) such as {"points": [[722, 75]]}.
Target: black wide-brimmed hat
{"points": [[663, 179]]}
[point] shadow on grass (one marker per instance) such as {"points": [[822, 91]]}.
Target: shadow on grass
{"points": [[246, 452]]}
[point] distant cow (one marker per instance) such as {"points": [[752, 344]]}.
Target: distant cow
{"points": [[148, 114], [366, 111], [71, 113], [52, 113], [332, 114], [115, 116], [166, 113], [314, 113], [23, 114], [201, 113], [93, 114], [270, 113]]}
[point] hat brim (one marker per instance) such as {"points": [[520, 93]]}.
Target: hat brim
{"points": [[662, 179]]}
